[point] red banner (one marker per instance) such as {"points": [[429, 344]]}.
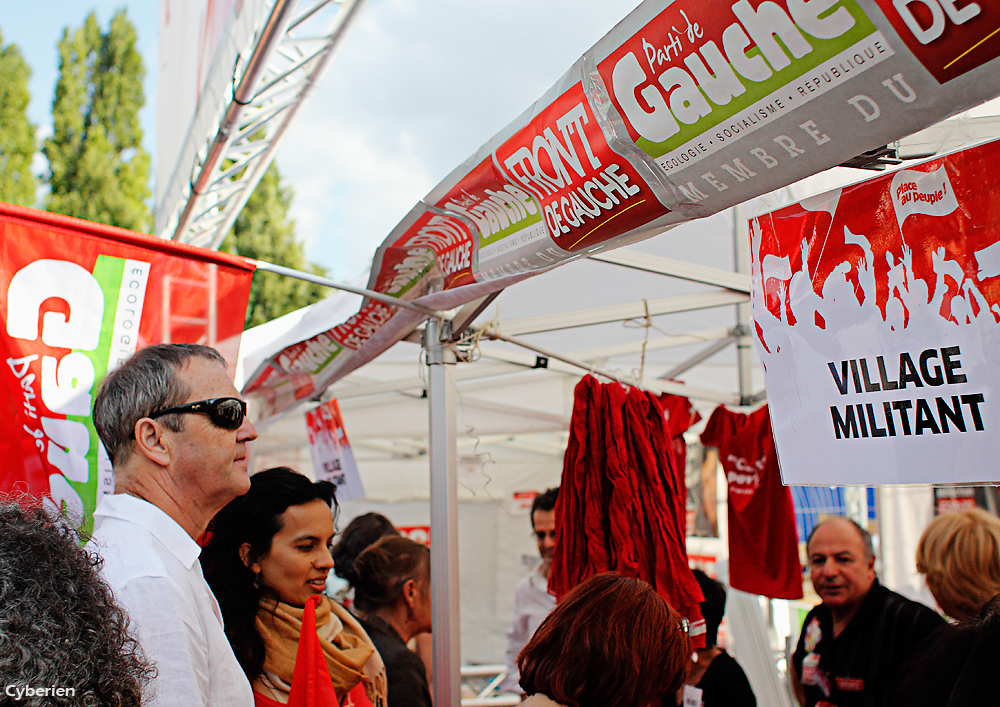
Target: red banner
{"points": [[76, 299], [417, 533]]}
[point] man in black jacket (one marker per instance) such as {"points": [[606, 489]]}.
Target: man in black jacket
{"points": [[853, 645]]}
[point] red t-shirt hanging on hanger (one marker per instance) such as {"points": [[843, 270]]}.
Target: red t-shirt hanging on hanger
{"points": [[763, 546]]}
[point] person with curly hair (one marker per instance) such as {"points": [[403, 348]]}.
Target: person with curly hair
{"points": [[63, 640]]}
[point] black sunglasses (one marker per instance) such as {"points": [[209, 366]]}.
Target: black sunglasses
{"points": [[227, 413]]}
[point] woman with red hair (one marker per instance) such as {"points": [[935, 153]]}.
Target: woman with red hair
{"points": [[611, 642]]}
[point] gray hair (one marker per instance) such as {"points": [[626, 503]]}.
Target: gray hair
{"points": [[145, 383], [59, 624], [866, 537]]}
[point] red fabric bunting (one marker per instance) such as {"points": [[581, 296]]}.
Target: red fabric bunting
{"points": [[622, 499], [680, 415]]}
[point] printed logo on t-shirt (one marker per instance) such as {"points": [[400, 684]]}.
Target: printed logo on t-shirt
{"points": [[744, 475]]}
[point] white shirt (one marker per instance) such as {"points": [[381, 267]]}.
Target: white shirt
{"points": [[152, 566], [532, 603]]}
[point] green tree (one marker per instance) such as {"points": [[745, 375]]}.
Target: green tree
{"points": [[99, 170], [17, 134], [263, 231]]}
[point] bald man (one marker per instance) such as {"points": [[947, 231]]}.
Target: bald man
{"points": [[854, 644]]}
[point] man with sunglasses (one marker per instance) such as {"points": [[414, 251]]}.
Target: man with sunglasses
{"points": [[532, 602], [176, 433]]}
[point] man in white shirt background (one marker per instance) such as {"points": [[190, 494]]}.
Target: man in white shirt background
{"points": [[176, 432], [532, 602]]}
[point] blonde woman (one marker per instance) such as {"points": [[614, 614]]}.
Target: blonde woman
{"points": [[959, 553]]}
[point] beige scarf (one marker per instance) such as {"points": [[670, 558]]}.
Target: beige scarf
{"points": [[350, 654]]}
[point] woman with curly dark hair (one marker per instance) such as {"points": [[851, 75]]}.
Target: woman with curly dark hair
{"points": [[63, 640], [266, 560]]}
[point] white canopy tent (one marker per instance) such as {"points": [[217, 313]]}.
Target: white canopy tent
{"points": [[512, 416], [647, 308], [662, 308], [620, 314]]}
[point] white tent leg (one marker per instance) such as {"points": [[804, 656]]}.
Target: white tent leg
{"points": [[741, 254], [752, 648], [444, 517], [904, 512]]}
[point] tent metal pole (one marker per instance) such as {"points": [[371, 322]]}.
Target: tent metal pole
{"points": [[655, 386], [741, 261], [703, 355], [444, 513], [582, 365], [676, 268], [878, 531], [332, 284]]}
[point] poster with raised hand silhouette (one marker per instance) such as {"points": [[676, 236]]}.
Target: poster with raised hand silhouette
{"points": [[877, 318]]}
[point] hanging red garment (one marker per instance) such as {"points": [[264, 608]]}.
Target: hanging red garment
{"points": [[680, 415], [622, 499], [763, 546]]}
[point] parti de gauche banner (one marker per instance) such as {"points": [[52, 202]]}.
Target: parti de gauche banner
{"points": [[76, 299], [684, 109], [877, 315]]}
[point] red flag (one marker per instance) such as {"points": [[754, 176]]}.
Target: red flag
{"points": [[312, 685], [763, 545], [76, 298], [357, 697]]}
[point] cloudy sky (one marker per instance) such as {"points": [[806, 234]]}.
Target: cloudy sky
{"points": [[413, 91]]}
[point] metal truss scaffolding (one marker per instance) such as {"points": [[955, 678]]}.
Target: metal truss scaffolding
{"points": [[290, 51]]}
